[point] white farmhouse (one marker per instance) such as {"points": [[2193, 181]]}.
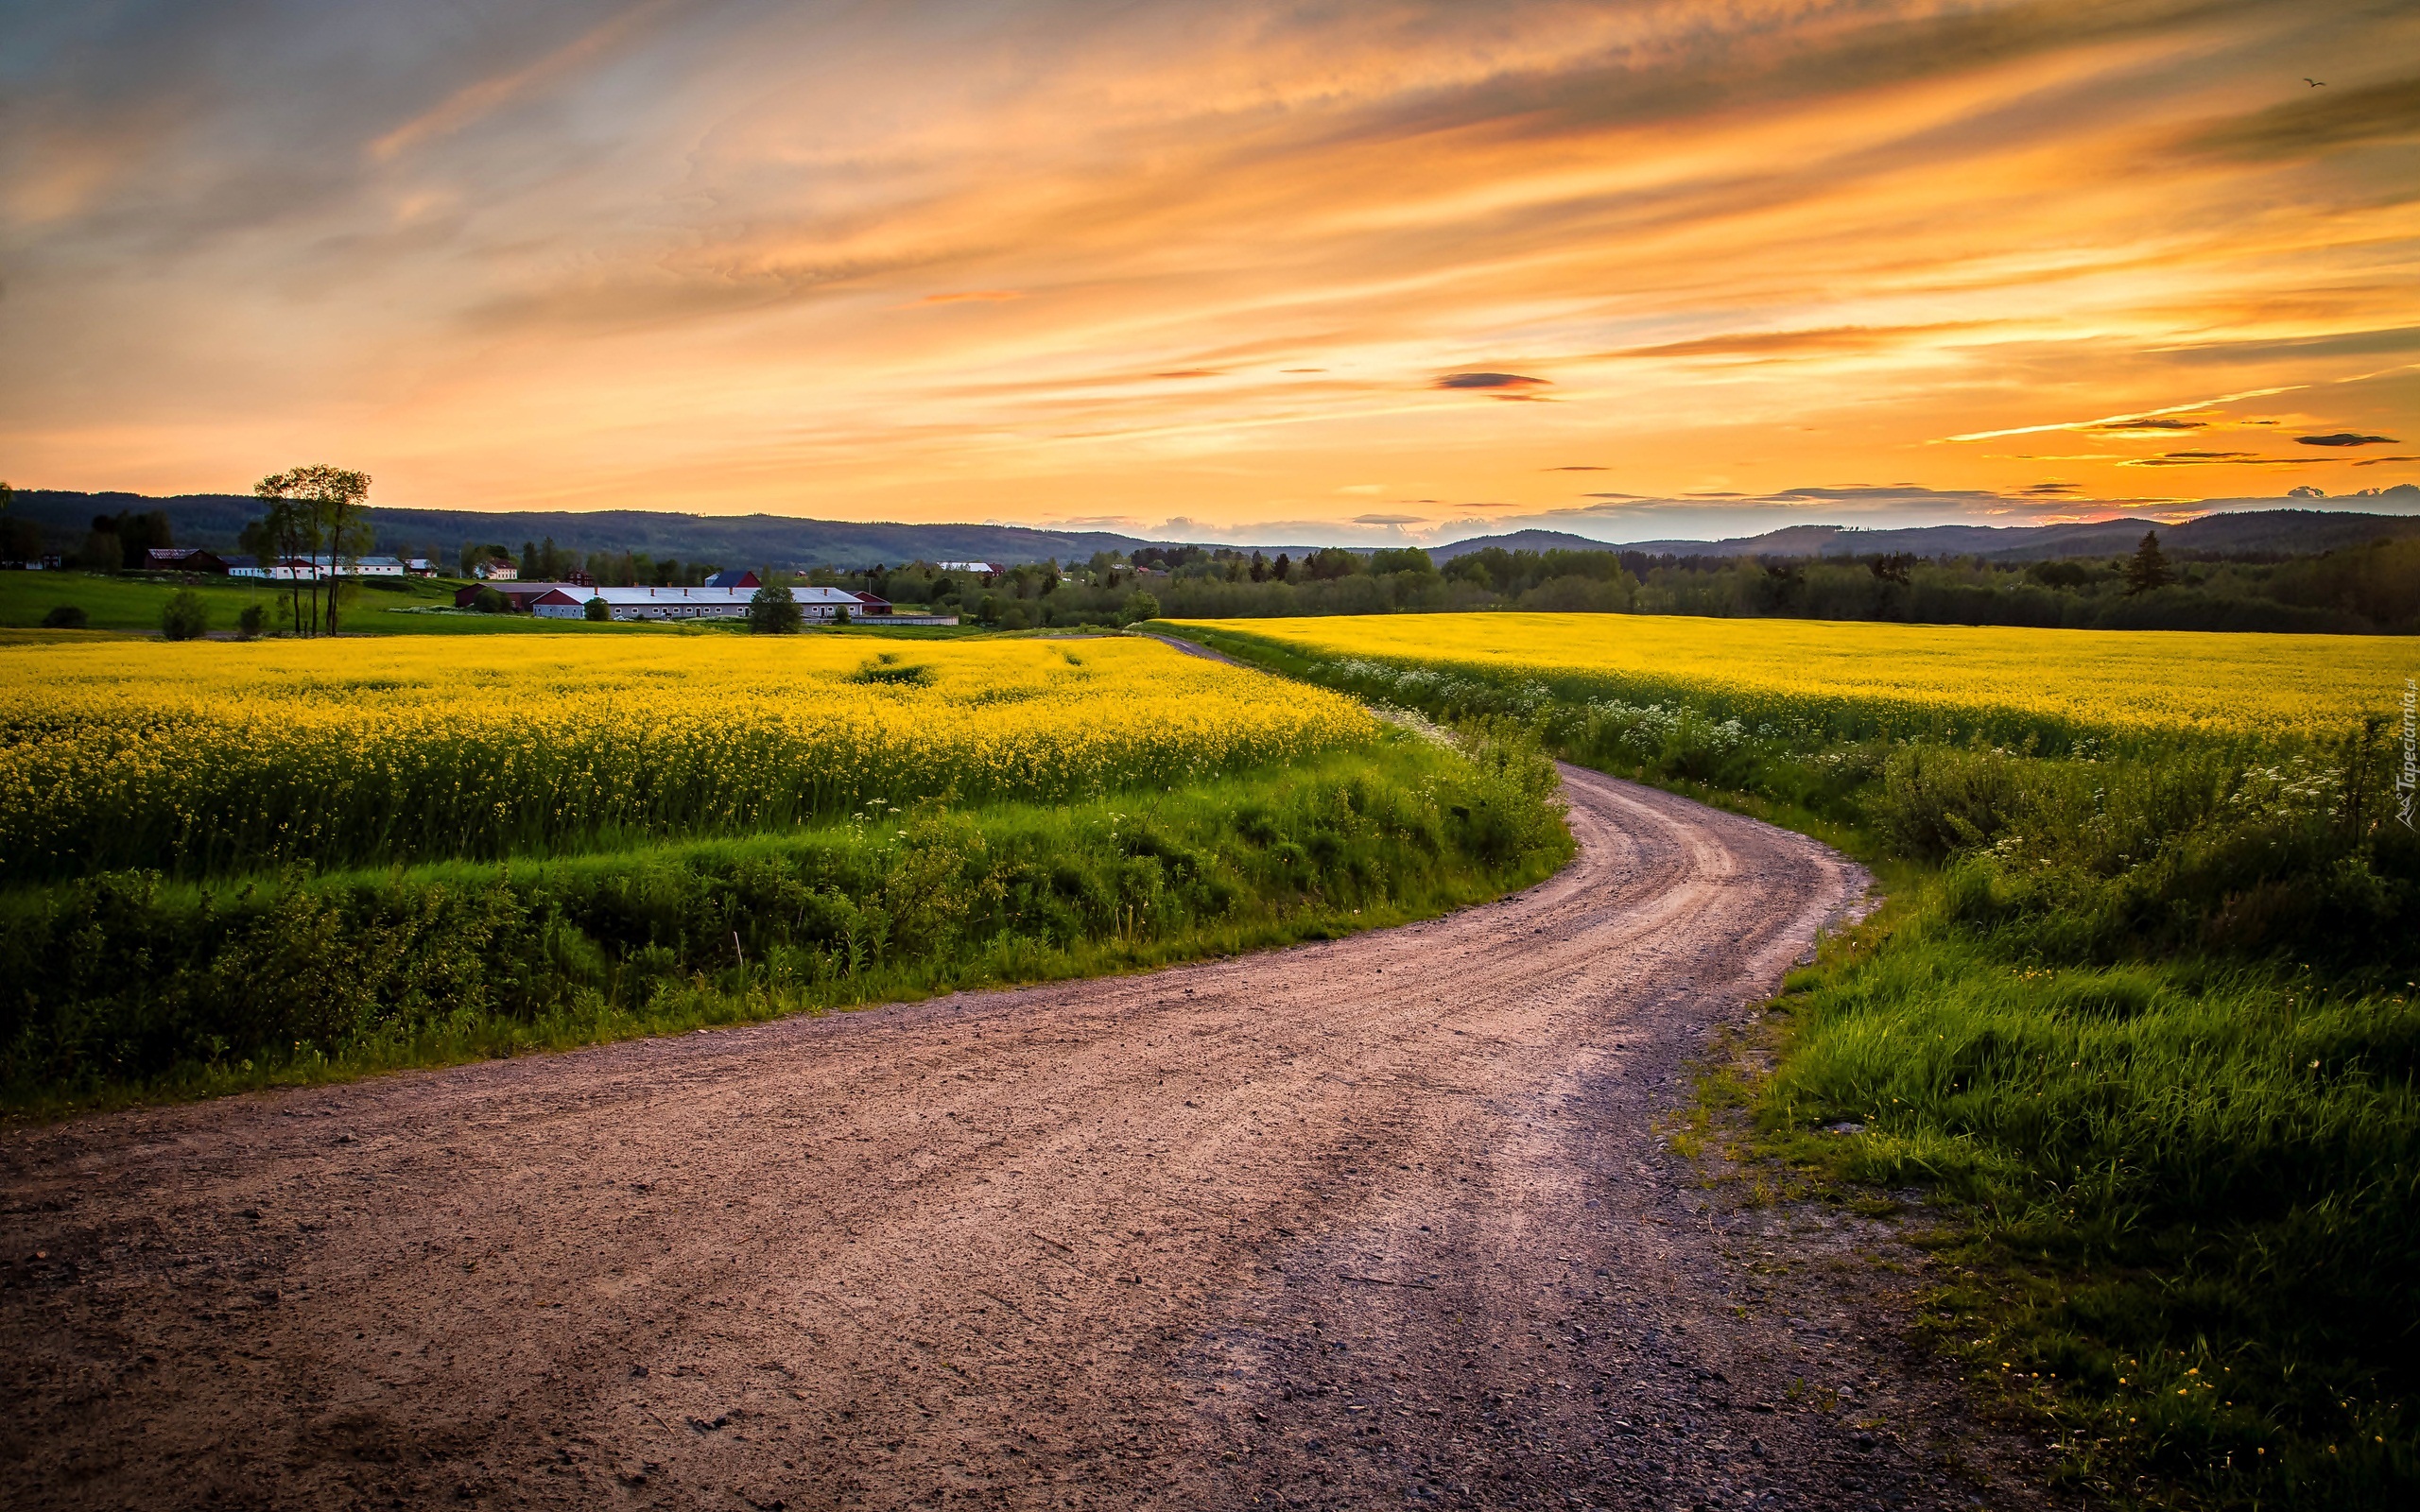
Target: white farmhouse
{"points": [[684, 603]]}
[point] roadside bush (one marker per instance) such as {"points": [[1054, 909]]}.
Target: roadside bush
{"points": [[65, 617], [251, 621], [596, 611], [185, 617], [1139, 606], [490, 600]]}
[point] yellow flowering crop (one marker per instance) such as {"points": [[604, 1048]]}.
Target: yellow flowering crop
{"points": [[1895, 678], [210, 756]]}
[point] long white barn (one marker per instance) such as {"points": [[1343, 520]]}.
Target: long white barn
{"points": [[684, 603]]}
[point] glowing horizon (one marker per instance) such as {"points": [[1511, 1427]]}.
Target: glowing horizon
{"points": [[1393, 271]]}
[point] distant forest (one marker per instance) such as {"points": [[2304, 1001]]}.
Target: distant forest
{"points": [[2371, 588], [2233, 572]]}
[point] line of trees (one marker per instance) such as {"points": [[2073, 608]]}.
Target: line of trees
{"points": [[311, 511], [543, 561], [2366, 589]]}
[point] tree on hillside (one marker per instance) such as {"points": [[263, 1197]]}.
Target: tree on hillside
{"points": [[2147, 569]]}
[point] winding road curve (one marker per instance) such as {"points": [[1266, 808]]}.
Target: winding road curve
{"points": [[1384, 1221]]}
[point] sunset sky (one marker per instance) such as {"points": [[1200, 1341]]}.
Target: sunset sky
{"points": [[1344, 271]]}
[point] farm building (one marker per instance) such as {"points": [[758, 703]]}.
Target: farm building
{"points": [[735, 577], [182, 559], [568, 603], [280, 570], [313, 569], [521, 595]]}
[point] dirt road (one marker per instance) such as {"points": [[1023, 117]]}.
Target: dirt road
{"points": [[1380, 1222]]}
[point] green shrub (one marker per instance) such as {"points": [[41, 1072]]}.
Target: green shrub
{"points": [[596, 611], [773, 611], [251, 621], [185, 617], [65, 617]]}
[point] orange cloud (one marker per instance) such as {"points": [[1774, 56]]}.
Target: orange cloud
{"points": [[674, 256]]}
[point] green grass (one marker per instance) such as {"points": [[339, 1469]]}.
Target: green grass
{"points": [[131, 605], [124, 987], [2144, 1027]]}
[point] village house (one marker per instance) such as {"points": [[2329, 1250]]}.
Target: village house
{"points": [[313, 569], [183, 559], [521, 595]]}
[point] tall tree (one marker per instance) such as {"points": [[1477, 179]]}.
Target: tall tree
{"points": [[325, 512], [103, 551], [277, 537], [2147, 568]]}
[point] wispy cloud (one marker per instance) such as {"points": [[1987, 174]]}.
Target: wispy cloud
{"points": [[2215, 460], [1216, 262]]}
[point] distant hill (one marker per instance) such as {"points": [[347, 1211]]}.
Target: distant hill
{"points": [[215, 520], [1521, 540], [2257, 532]]}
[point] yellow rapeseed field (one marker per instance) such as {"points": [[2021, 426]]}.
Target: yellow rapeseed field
{"points": [[209, 756], [1898, 676]]}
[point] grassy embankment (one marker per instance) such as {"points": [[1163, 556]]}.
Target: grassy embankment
{"points": [[447, 854], [2140, 1011]]}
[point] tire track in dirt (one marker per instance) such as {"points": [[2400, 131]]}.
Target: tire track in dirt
{"points": [[1380, 1220]]}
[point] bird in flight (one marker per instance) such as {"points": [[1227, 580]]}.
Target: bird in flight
{"points": [[2316, 83]]}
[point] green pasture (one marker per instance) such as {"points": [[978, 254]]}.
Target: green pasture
{"points": [[131, 605]]}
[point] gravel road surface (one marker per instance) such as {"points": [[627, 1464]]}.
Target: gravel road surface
{"points": [[1381, 1222]]}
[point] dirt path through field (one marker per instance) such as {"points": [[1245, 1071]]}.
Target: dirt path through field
{"points": [[1380, 1222]]}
